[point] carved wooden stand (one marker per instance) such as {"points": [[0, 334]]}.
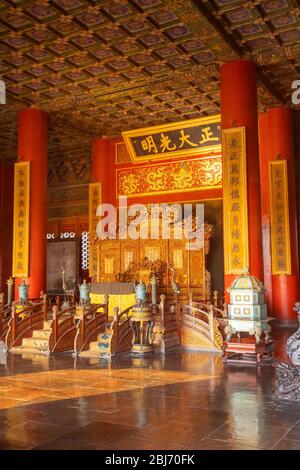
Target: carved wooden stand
{"points": [[247, 350]]}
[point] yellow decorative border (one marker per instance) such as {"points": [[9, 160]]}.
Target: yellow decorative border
{"points": [[272, 166], [171, 191], [227, 189], [16, 272], [171, 127]]}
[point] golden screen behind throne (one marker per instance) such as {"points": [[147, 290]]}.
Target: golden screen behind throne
{"points": [[116, 256]]}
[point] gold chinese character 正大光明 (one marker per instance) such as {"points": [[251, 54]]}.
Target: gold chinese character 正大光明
{"points": [[149, 144], [165, 142], [184, 138], [207, 135]]}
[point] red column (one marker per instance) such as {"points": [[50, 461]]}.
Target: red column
{"points": [[285, 287], [6, 222], [264, 158], [101, 166], [32, 146], [239, 108]]}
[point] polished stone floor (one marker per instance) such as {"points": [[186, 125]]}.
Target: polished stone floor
{"points": [[181, 401]]}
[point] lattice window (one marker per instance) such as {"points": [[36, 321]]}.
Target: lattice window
{"points": [[66, 235], [85, 255]]}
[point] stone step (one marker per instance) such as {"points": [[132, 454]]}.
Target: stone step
{"points": [[33, 343], [41, 334], [98, 346], [104, 336], [24, 350], [94, 354]]}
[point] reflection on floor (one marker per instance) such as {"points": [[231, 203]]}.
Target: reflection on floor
{"points": [[182, 401]]}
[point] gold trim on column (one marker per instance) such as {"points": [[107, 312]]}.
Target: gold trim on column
{"points": [[235, 217], [95, 199], [279, 213], [20, 266]]}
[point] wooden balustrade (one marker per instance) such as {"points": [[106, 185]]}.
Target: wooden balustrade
{"points": [[5, 316], [121, 331], [59, 299], [169, 312], [63, 329], [199, 320], [90, 326], [23, 322]]}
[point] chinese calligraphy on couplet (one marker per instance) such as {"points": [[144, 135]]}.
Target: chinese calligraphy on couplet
{"points": [[235, 200], [21, 219], [95, 199], [187, 137], [280, 236]]}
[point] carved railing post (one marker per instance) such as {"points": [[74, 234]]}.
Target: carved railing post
{"points": [[45, 306], [1, 307], [177, 309], [55, 323], [14, 322], [162, 309], [116, 323], [106, 300], [216, 298], [211, 321]]}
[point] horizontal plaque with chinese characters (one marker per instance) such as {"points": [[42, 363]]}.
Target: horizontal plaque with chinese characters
{"points": [[95, 199], [192, 137], [235, 201], [21, 219], [279, 204]]}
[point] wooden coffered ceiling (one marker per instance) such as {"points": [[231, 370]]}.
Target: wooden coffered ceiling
{"points": [[99, 67]]}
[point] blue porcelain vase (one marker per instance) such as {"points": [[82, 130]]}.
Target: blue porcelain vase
{"points": [[141, 291], [84, 291], [23, 289]]}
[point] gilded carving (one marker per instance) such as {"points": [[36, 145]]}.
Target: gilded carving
{"points": [[188, 175]]}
